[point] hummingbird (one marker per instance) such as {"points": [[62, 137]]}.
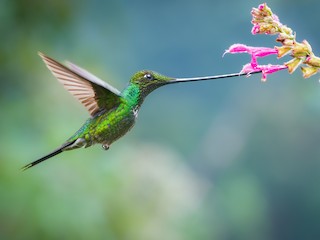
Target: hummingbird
{"points": [[112, 113]]}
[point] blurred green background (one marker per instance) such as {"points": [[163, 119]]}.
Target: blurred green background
{"points": [[227, 159]]}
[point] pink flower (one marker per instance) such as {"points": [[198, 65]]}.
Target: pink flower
{"points": [[265, 69], [255, 52]]}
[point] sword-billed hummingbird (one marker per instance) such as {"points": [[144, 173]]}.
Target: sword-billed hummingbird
{"points": [[112, 113]]}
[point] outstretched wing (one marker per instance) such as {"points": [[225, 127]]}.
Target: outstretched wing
{"points": [[93, 93]]}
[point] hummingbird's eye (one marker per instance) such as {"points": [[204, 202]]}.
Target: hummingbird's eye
{"points": [[148, 76]]}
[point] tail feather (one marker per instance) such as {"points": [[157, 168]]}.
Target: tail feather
{"points": [[55, 152]]}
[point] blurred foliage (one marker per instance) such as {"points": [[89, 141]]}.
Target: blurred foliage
{"points": [[231, 159]]}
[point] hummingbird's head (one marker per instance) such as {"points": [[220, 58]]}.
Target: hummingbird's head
{"points": [[147, 81]]}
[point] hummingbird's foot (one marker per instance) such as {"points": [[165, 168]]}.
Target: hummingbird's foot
{"points": [[105, 146]]}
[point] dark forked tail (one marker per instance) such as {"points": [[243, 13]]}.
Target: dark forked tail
{"points": [[55, 152]]}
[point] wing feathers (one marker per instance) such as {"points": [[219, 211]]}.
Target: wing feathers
{"points": [[92, 78], [88, 89]]}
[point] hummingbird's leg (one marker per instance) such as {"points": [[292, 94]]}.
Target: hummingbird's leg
{"points": [[105, 146]]}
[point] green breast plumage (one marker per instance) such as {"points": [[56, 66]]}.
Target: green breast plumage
{"points": [[109, 126]]}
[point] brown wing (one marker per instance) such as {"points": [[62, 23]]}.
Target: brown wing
{"points": [[93, 93]]}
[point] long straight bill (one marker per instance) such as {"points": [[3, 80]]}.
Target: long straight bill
{"points": [[179, 80]]}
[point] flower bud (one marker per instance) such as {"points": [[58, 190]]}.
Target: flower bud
{"points": [[282, 51], [313, 61], [285, 39], [268, 28], [255, 29], [288, 42], [286, 30], [293, 64], [301, 49], [309, 71], [265, 9], [256, 13]]}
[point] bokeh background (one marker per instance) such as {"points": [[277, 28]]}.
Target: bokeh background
{"points": [[227, 159]]}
